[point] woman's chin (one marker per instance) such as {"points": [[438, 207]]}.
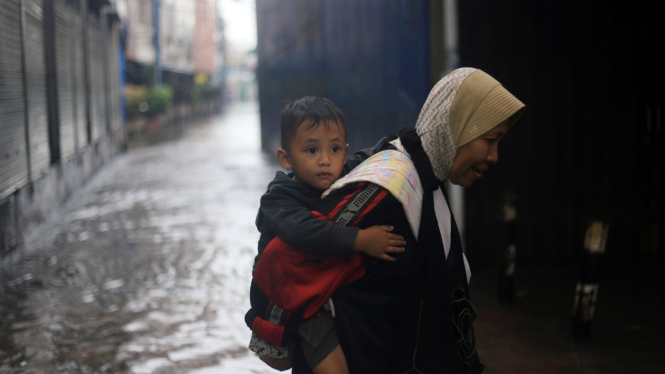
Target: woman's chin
{"points": [[462, 181]]}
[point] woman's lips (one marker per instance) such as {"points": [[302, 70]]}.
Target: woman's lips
{"points": [[477, 172]]}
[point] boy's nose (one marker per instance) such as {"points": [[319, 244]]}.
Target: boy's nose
{"points": [[324, 160]]}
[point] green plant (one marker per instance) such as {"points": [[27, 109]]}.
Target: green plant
{"points": [[159, 99]]}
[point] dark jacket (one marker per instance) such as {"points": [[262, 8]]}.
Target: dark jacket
{"points": [[415, 314], [285, 218], [285, 212]]}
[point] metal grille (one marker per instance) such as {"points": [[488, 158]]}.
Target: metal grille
{"points": [[78, 74], [64, 56], [13, 159], [114, 78], [97, 100], [36, 87]]}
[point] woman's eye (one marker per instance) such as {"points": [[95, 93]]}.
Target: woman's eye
{"points": [[490, 140], [311, 150]]}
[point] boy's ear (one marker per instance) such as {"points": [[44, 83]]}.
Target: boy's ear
{"points": [[284, 159], [346, 152]]}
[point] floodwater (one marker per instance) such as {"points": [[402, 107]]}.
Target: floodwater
{"points": [[146, 268]]}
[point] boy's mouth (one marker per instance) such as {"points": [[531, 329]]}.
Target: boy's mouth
{"points": [[324, 174]]}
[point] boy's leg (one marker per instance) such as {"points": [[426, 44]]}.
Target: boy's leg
{"points": [[278, 358], [320, 345], [335, 363], [280, 364]]}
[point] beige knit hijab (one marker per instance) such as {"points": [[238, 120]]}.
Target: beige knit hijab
{"points": [[463, 106]]}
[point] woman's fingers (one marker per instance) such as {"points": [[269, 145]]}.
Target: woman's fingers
{"points": [[395, 249]]}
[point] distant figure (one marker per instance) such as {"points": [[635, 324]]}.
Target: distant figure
{"points": [[314, 148]]}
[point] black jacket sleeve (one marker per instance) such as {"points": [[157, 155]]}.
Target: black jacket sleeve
{"points": [[287, 212]]}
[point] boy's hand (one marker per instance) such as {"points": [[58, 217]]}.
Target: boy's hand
{"points": [[377, 241]]}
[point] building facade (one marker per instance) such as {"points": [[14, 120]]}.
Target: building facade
{"points": [[206, 38], [138, 14]]}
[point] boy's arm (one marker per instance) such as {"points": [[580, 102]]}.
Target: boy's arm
{"points": [[296, 225], [288, 216]]}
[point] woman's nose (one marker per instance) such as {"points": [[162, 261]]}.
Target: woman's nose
{"points": [[493, 156]]}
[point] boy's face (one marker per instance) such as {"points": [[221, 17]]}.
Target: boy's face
{"points": [[316, 155]]}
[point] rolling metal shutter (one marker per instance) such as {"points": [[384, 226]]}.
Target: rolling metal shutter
{"points": [[97, 98], [13, 158], [64, 58], [35, 70], [78, 74], [114, 77]]}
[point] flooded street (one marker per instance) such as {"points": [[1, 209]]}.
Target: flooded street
{"points": [[146, 268]]}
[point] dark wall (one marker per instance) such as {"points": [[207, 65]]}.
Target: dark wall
{"points": [[590, 143], [369, 57]]}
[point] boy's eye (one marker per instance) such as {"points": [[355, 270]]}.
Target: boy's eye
{"points": [[336, 149], [311, 150]]}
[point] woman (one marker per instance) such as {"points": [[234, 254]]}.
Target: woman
{"points": [[415, 314]]}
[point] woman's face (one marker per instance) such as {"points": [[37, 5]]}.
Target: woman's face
{"points": [[473, 159]]}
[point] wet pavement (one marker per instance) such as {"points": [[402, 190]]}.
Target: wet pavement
{"points": [[146, 269]]}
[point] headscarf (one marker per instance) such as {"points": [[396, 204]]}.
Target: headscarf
{"points": [[461, 107]]}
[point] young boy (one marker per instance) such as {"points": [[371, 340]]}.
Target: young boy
{"points": [[313, 137]]}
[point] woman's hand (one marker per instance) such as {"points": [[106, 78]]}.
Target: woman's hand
{"points": [[377, 241]]}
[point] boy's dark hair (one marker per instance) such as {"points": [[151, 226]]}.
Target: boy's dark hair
{"points": [[311, 111]]}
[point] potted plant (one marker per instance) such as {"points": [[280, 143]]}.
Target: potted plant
{"points": [[159, 99]]}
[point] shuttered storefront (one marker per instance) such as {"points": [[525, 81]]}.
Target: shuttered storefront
{"points": [[114, 77], [64, 59], [97, 98], [13, 158], [36, 87], [78, 73]]}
